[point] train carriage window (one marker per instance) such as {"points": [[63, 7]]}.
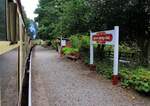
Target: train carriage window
{"points": [[3, 20], [12, 21]]}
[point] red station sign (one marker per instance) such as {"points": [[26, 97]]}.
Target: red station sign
{"points": [[102, 37]]}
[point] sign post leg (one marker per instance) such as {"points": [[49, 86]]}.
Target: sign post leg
{"points": [[92, 66], [91, 50], [60, 47], [116, 56]]}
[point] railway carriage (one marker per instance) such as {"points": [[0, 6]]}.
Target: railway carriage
{"points": [[13, 34]]}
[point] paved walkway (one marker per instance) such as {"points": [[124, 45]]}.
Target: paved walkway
{"points": [[61, 82], [8, 75]]}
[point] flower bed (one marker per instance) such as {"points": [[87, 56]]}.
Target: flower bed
{"points": [[136, 78]]}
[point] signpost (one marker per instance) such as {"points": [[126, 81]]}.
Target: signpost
{"points": [[109, 37], [63, 43]]}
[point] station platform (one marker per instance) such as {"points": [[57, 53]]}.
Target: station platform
{"points": [[57, 81]]}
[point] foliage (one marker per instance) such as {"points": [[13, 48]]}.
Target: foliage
{"points": [[75, 41], [128, 15], [85, 42], [123, 47], [137, 78], [104, 68], [62, 17], [67, 50], [74, 17], [81, 41], [54, 43], [69, 17], [47, 17]]}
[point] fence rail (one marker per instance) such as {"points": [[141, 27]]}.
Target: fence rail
{"points": [[124, 55]]}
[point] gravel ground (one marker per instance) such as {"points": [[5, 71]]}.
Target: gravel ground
{"points": [[8, 75], [62, 82]]}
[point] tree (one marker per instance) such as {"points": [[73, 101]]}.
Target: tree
{"points": [[62, 17], [67, 17], [130, 15]]}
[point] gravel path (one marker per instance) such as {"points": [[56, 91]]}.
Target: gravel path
{"points": [[62, 82], [8, 75]]}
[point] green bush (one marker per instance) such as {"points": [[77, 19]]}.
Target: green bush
{"points": [[138, 78], [80, 41], [123, 47], [75, 41], [67, 50], [85, 42], [104, 69]]}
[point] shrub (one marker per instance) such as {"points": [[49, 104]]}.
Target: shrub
{"points": [[75, 41], [85, 42], [138, 78], [67, 50], [104, 69], [81, 41], [123, 47]]}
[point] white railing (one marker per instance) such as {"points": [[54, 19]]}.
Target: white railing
{"points": [[30, 87]]}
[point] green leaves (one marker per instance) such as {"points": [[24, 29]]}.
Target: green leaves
{"points": [[67, 50], [62, 17], [138, 78], [104, 69], [70, 17]]}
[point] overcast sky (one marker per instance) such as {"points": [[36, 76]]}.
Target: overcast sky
{"points": [[30, 6]]}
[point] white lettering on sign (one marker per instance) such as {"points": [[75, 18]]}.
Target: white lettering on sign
{"points": [[103, 37]]}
